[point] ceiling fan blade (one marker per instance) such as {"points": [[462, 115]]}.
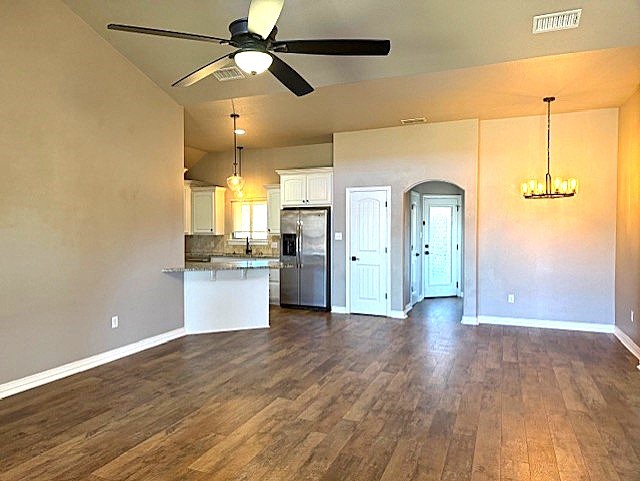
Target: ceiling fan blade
{"points": [[165, 33], [263, 15], [289, 77], [334, 47], [203, 72]]}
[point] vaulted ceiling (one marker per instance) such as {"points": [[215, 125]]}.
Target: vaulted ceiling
{"points": [[453, 59]]}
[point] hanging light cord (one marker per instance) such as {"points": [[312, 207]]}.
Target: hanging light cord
{"points": [[234, 116], [548, 136]]}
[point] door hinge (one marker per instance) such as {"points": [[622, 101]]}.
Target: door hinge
{"points": [[457, 208], [385, 295], [456, 285], [386, 251], [386, 204], [457, 246], [424, 222]]}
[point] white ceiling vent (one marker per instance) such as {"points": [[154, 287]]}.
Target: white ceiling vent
{"points": [[229, 73], [417, 120], [551, 22]]}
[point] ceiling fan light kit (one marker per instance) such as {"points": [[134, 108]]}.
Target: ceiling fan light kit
{"points": [[255, 41], [253, 62], [556, 189]]}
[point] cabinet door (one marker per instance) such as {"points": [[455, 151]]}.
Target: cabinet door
{"points": [[273, 211], [202, 212], [293, 189], [319, 188], [187, 210]]}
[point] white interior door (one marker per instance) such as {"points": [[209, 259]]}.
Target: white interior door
{"points": [[441, 218], [368, 252], [415, 248]]}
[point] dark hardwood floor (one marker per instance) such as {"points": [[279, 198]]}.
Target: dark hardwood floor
{"points": [[334, 397]]}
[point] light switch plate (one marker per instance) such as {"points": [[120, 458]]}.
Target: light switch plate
{"points": [[338, 236], [274, 245]]}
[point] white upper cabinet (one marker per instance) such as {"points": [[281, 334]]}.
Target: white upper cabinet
{"points": [[306, 187], [207, 210], [273, 208]]}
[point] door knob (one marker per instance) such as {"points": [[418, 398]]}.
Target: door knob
{"points": [[417, 254], [426, 253], [354, 258]]}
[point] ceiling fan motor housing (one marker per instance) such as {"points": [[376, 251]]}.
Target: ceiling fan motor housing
{"points": [[242, 38]]}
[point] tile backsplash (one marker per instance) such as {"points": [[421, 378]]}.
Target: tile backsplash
{"points": [[219, 245]]}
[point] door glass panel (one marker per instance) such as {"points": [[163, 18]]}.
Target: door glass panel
{"points": [[440, 245]]}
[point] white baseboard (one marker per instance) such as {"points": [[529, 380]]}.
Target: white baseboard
{"points": [[19, 385], [627, 342], [233, 329], [398, 314], [469, 320], [339, 309], [547, 324]]}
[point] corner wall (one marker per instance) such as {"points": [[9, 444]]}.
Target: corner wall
{"points": [[90, 194], [628, 219]]}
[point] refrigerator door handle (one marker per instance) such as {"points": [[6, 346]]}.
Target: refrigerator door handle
{"points": [[298, 244]]}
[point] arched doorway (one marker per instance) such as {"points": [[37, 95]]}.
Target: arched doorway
{"points": [[434, 247]]}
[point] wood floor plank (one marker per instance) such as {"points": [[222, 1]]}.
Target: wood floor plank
{"points": [[324, 397]]}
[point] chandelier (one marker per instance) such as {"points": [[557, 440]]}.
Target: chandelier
{"points": [[235, 181], [557, 188]]}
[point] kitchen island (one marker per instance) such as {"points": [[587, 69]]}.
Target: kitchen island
{"points": [[226, 294]]}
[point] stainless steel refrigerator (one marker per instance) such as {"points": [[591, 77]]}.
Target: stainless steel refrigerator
{"points": [[304, 237]]}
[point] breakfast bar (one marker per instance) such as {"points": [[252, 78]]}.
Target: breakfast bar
{"points": [[226, 295]]}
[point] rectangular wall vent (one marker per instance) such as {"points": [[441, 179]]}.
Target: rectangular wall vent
{"points": [[551, 22], [417, 120], [228, 73]]}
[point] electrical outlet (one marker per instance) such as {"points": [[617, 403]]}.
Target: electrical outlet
{"points": [[114, 322], [511, 298], [633, 317]]}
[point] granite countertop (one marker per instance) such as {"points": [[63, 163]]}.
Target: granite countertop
{"points": [[230, 265]]}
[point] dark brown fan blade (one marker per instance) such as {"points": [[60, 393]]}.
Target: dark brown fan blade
{"points": [[203, 72], [165, 33], [334, 47], [289, 77]]}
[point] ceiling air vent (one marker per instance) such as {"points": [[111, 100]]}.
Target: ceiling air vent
{"points": [[229, 73], [417, 120], [551, 22]]}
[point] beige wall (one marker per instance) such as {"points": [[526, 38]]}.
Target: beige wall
{"points": [[258, 168], [628, 219], [556, 256], [402, 157], [90, 194]]}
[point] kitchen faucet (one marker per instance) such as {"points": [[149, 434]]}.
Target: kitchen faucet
{"points": [[247, 250]]}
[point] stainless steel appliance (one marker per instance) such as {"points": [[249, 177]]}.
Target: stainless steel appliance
{"points": [[304, 237]]}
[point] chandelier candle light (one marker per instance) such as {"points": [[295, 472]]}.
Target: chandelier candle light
{"points": [[235, 181], [549, 190]]}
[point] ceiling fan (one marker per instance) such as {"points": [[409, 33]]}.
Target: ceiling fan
{"points": [[255, 41]]}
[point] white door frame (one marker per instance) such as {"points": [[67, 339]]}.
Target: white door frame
{"points": [[419, 234], [459, 227], [349, 190]]}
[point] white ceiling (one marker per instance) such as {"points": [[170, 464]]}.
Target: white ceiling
{"points": [[427, 37]]}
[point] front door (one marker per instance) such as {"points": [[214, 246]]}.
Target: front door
{"points": [[441, 244], [368, 251]]}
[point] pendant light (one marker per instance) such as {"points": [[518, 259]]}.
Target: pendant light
{"points": [[559, 188], [235, 181], [239, 194]]}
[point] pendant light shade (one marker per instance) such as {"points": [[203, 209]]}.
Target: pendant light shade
{"points": [[235, 181], [549, 189]]}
